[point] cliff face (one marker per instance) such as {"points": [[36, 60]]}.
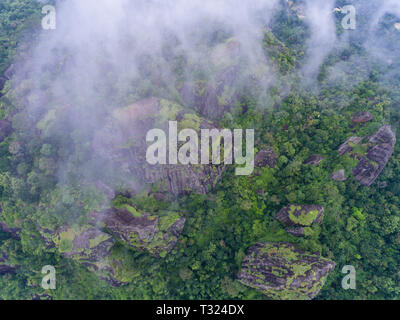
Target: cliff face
{"points": [[282, 272], [123, 143]]}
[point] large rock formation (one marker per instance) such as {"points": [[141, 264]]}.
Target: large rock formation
{"points": [[300, 215], [156, 234], [380, 149], [89, 247], [283, 272], [122, 144], [93, 249]]}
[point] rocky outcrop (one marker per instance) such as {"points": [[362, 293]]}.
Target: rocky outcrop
{"points": [[43, 296], [266, 157], [6, 265], [14, 232], [89, 247], [297, 231], [281, 271], [372, 153], [9, 73], [86, 245], [300, 215], [5, 129], [314, 160], [349, 145], [362, 117], [93, 249], [122, 144], [380, 149], [3, 81], [339, 176], [213, 97], [142, 231]]}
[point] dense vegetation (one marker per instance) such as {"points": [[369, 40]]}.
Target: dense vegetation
{"points": [[361, 225]]}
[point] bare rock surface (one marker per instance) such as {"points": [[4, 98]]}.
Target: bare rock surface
{"points": [[314, 159]]}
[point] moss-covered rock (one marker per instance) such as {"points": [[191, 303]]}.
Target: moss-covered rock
{"points": [[89, 247], [300, 215], [283, 272], [156, 234]]}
